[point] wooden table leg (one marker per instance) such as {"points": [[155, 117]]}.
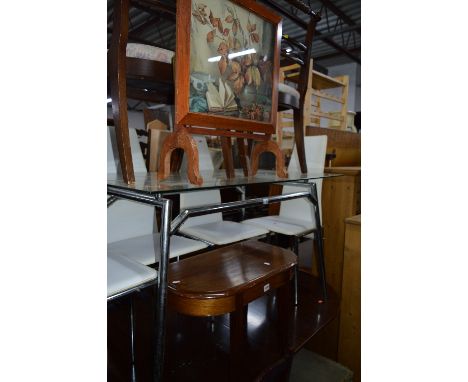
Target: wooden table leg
{"points": [[283, 301], [238, 340]]}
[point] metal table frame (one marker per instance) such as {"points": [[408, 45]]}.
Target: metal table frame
{"points": [[170, 227]]}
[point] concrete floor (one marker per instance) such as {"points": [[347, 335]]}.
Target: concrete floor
{"points": [[308, 366]]}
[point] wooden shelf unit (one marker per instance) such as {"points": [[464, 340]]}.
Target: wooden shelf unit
{"points": [[318, 84]]}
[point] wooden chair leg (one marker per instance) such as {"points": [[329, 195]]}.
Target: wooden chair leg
{"points": [[180, 138], [299, 138], [273, 147], [226, 145], [118, 85], [244, 159]]}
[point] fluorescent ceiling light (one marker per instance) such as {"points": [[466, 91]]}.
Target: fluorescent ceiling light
{"points": [[232, 55]]}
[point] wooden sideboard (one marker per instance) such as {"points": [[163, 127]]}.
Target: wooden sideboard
{"points": [[345, 145], [341, 199], [349, 343]]}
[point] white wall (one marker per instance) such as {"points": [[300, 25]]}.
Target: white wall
{"points": [[353, 70], [135, 118]]}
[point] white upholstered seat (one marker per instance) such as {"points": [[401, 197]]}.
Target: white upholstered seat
{"points": [[283, 225], [149, 52], [297, 216], [143, 249], [124, 274], [288, 89], [212, 227], [223, 232], [130, 225]]}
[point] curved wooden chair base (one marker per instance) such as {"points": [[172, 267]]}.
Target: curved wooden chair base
{"points": [[271, 146], [180, 139]]}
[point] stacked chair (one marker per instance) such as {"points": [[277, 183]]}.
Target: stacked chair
{"points": [[296, 218], [212, 228]]}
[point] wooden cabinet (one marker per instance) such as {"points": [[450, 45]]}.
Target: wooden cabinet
{"points": [[349, 343], [345, 145], [341, 199]]}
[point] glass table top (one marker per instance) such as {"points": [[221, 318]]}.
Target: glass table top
{"points": [[178, 182]]}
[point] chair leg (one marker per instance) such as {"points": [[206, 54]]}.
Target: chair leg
{"points": [[321, 263], [299, 139], [132, 339], [295, 249], [118, 85], [319, 238], [243, 157], [226, 146]]}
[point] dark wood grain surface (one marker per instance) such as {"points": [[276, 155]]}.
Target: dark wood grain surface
{"points": [[222, 272], [197, 348]]}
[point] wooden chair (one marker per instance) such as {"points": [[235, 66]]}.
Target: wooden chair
{"points": [[148, 79], [333, 90], [290, 97], [225, 280]]}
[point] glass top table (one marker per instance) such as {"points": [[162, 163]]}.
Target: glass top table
{"points": [[178, 182], [148, 189]]}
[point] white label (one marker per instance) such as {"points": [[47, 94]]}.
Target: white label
{"points": [[266, 287]]}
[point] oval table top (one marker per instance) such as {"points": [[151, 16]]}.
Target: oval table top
{"points": [[224, 271]]}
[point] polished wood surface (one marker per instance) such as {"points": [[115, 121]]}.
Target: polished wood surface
{"points": [[261, 147], [349, 344], [226, 280], [345, 144], [197, 348], [150, 69], [226, 271]]}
